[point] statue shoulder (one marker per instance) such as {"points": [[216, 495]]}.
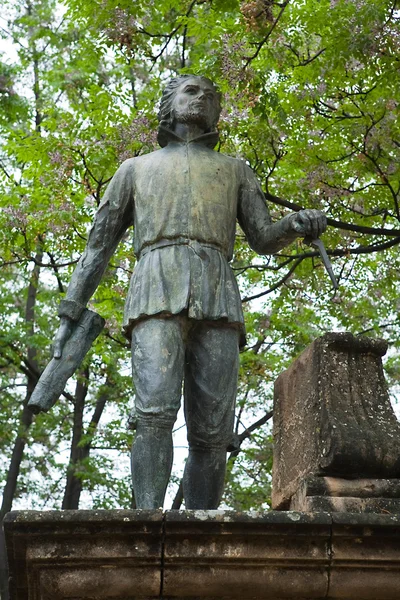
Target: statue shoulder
{"points": [[233, 162], [243, 171], [142, 160]]}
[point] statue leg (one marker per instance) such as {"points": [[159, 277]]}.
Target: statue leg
{"points": [[211, 372], [157, 365]]}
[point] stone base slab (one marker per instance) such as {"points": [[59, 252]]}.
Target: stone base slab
{"points": [[335, 494], [127, 555], [350, 505]]}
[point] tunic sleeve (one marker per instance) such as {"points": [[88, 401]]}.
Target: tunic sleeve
{"points": [[264, 237], [114, 216]]}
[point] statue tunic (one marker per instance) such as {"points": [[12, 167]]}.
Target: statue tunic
{"points": [[183, 202]]}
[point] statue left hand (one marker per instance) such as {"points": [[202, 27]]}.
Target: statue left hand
{"points": [[309, 222]]}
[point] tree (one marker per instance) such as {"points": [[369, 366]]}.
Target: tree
{"points": [[310, 95]]}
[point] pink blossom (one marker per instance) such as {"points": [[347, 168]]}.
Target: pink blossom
{"points": [[141, 130]]}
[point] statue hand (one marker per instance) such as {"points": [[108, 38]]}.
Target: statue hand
{"points": [[309, 222], [62, 335]]}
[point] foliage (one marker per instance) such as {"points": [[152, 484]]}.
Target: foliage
{"points": [[310, 91]]}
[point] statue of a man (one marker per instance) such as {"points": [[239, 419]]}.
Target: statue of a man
{"points": [[183, 311]]}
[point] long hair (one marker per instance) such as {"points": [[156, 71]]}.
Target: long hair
{"points": [[165, 114]]}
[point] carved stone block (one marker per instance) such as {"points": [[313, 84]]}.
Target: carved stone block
{"points": [[332, 416]]}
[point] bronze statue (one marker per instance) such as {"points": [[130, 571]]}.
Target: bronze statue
{"points": [[183, 311]]}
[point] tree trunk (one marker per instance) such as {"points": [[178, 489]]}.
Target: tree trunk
{"points": [[80, 452], [73, 487], [25, 423]]}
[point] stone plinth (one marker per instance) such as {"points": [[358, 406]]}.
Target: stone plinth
{"points": [[333, 419], [127, 555]]}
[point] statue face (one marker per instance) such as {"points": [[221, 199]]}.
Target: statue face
{"points": [[195, 102]]}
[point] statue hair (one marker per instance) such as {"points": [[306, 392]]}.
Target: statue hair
{"points": [[165, 114]]}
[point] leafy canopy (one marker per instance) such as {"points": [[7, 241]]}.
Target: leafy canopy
{"points": [[310, 92]]}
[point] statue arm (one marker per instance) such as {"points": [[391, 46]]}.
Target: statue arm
{"points": [[263, 236], [114, 216]]}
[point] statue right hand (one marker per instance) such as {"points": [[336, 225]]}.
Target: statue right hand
{"points": [[62, 336]]}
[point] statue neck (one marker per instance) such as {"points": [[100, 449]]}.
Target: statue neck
{"points": [[188, 131]]}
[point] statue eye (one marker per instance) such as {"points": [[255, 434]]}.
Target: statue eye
{"points": [[191, 90]]}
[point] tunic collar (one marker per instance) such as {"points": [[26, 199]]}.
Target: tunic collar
{"points": [[207, 139]]}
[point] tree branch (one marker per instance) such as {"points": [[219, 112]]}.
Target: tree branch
{"points": [[279, 283], [265, 38], [333, 222]]}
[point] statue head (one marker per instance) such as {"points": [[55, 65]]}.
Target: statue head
{"points": [[181, 102]]}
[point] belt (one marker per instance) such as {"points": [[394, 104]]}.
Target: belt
{"points": [[179, 241]]}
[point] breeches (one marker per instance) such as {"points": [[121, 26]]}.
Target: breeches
{"points": [[204, 356]]}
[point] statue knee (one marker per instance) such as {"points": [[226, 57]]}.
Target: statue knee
{"points": [[155, 422], [155, 411], [207, 447], [206, 441]]}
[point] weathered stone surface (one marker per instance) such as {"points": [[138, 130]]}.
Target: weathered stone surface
{"points": [[358, 488], [204, 555], [84, 554], [365, 556], [245, 555], [347, 504], [333, 494], [332, 416]]}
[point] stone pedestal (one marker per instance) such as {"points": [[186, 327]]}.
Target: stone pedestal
{"points": [[128, 555], [333, 422]]}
